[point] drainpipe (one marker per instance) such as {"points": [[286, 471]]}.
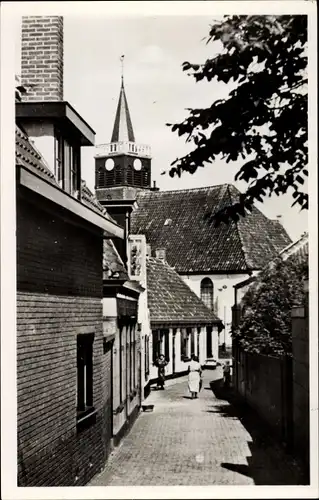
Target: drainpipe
{"points": [[126, 234]]}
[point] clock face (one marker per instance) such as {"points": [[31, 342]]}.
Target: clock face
{"points": [[109, 164], [137, 164]]}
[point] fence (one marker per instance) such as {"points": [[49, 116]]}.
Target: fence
{"points": [[266, 385], [300, 351]]}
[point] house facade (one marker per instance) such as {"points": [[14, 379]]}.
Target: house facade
{"points": [[180, 323], [121, 327], [64, 359]]}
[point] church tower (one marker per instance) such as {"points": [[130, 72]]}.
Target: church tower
{"points": [[122, 163]]}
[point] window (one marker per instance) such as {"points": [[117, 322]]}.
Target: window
{"points": [[138, 178], [134, 356], [121, 363], [75, 170], [207, 293], [165, 337], [129, 175], [67, 165], [131, 357], [156, 345], [146, 356], [84, 374], [118, 175], [184, 344], [160, 344], [191, 334], [198, 343], [58, 154]]}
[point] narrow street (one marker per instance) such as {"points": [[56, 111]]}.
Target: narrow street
{"points": [[207, 441]]}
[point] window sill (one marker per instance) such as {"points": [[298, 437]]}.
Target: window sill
{"points": [[85, 418]]}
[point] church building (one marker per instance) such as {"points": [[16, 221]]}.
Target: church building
{"points": [[211, 260]]}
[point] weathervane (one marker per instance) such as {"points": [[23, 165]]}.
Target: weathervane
{"points": [[122, 68]]}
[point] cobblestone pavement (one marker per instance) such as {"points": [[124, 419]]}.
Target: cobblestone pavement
{"points": [[206, 441]]}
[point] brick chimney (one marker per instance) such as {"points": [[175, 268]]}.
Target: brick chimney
{"points": [[161, 254], [42, 58]]}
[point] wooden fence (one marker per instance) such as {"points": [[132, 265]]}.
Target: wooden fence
{"points": [[266, 385]]}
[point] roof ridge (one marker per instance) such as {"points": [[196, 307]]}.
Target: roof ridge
{"points": [[117, 253], [203, 188], [304, 238]]}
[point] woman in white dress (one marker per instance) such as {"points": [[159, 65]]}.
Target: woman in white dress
{"points": [[194, 376]]}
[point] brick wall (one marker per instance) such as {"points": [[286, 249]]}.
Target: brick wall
{"points": [[55, 257], [59, 297], [42, 58]]}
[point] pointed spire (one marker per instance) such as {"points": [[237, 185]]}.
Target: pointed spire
{"points": [[123, 129]]}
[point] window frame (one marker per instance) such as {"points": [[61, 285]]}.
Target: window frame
{"points": [[134, 356], [207, 293], [184, 344], [59, 158], [85, 376], [121, 362], [67, 164], [156, 344], [146, 356]]}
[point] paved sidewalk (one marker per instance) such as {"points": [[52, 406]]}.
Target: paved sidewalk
{"points": [[196, 442]]}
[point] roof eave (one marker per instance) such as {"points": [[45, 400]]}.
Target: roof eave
{"points": [[175, 323], [56, 111], [53, 193]]}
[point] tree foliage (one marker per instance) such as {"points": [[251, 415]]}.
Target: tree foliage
{"points": [[263, 121], [265, 325]]}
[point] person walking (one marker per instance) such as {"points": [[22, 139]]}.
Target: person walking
{"points": [[194, 376], [161, 364], [226, 370]]}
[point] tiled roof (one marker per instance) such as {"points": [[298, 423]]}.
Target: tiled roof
{"points": [[29, 157], [299, 249], [178, 222], [113, 267], [171, 301], [89, 199], [262, 238]]}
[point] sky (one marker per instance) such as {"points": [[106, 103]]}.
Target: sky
{"points": [[157, 89]]}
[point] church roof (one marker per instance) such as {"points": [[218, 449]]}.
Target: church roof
{"points": [[123, 129], [178, 222], [171, 301]]}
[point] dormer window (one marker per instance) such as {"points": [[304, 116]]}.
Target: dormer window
{"points": [[58, 154], [67, 164]]}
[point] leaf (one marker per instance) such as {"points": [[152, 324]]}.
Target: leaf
{"points": [[300, 179], [265, 57]]}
